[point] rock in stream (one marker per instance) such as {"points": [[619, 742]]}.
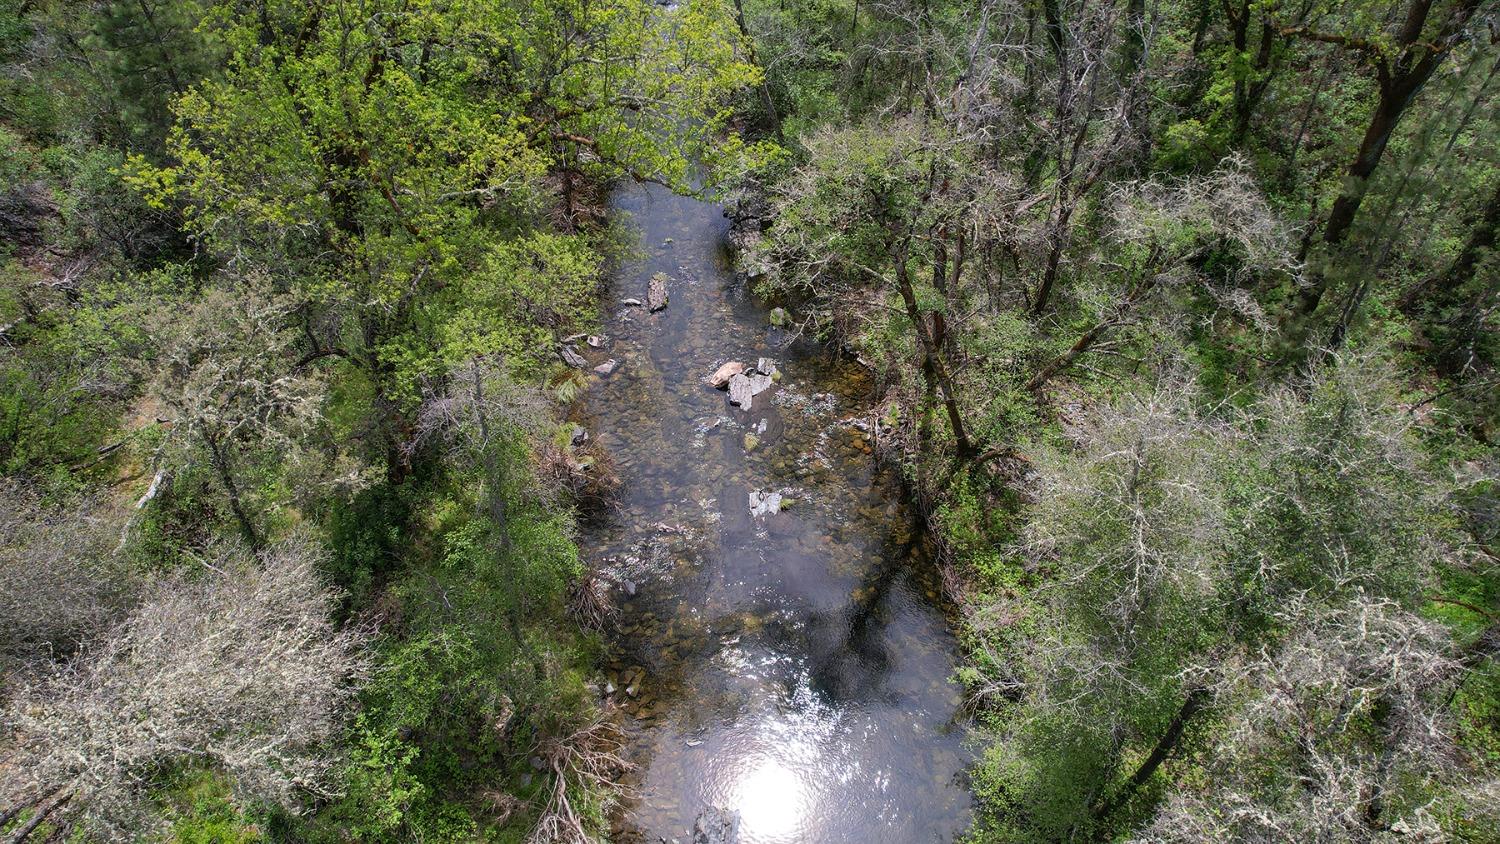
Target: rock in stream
{"points": [[744, 388], [716, 826], [720, 379], [656, 292]]}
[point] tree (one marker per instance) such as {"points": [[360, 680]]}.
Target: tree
{"points": [[1341, 734], [1132, 526], [1169, 234], [1403, 63], [235, 666], [1177, 549], [1081, 151], [228, 387], [866, 210], [367, 160]]}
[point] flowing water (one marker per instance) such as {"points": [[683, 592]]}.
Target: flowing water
{"points": [[792, 668]]}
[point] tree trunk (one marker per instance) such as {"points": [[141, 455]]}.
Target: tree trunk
{"points": [[765, 84], [1249, 92], [1090, 337], [220, 462], [1135, 40], [1197, 698], [1052, 25], [933, 368], [1480, 242], [25, 830], [1290, 170], [496, 504], [1400, 82], [1054, 257]]}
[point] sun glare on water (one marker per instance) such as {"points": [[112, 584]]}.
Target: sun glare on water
{"points": [[771, 799]]}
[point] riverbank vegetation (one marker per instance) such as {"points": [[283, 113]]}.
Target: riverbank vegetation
{"points": [[1185, 317], [288, 496]]}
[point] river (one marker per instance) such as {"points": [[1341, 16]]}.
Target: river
{"points": [[794, 669]]}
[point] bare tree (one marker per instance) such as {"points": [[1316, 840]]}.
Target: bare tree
{"points": [[587, 759], [1342, 734], [1083, 38], [61, 581], [488, 418], [238, 668]]}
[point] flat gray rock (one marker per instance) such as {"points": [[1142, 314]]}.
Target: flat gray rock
{"points": [[744, 388], [764, 504]]}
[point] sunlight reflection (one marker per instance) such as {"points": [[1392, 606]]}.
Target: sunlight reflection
{"points": [[771, 800]]}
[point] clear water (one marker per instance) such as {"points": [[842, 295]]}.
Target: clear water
{"points": [[794, 669]]}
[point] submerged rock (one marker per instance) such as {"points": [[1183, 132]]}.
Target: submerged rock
{"points": [[608, 367], [720, 378], [632, 302], [656, 292], [717, 826]]}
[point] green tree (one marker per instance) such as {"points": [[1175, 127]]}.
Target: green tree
{"points": [[370, 160]]}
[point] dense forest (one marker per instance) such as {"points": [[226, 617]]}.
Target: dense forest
{"points": [[1182, 318]]}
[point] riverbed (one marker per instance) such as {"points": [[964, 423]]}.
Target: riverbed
{"points": [[793, 670]]}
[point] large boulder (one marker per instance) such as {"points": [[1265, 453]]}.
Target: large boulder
{"points": [[656, 292], [720, 379]]}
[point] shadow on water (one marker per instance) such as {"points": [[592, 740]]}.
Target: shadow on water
{"points": [[792, 668]]}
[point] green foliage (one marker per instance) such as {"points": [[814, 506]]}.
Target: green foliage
{"points": [[481, 665], [200, 810]]}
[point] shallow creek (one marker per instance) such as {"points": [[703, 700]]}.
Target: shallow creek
{"points": [[791, 668]]}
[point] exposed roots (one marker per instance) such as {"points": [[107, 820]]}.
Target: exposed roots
{"points": [[586, 473], [581, 202], [586, 761], [589, 603]]}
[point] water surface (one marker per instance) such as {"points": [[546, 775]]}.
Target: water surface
{"points": [[794, 668]]}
